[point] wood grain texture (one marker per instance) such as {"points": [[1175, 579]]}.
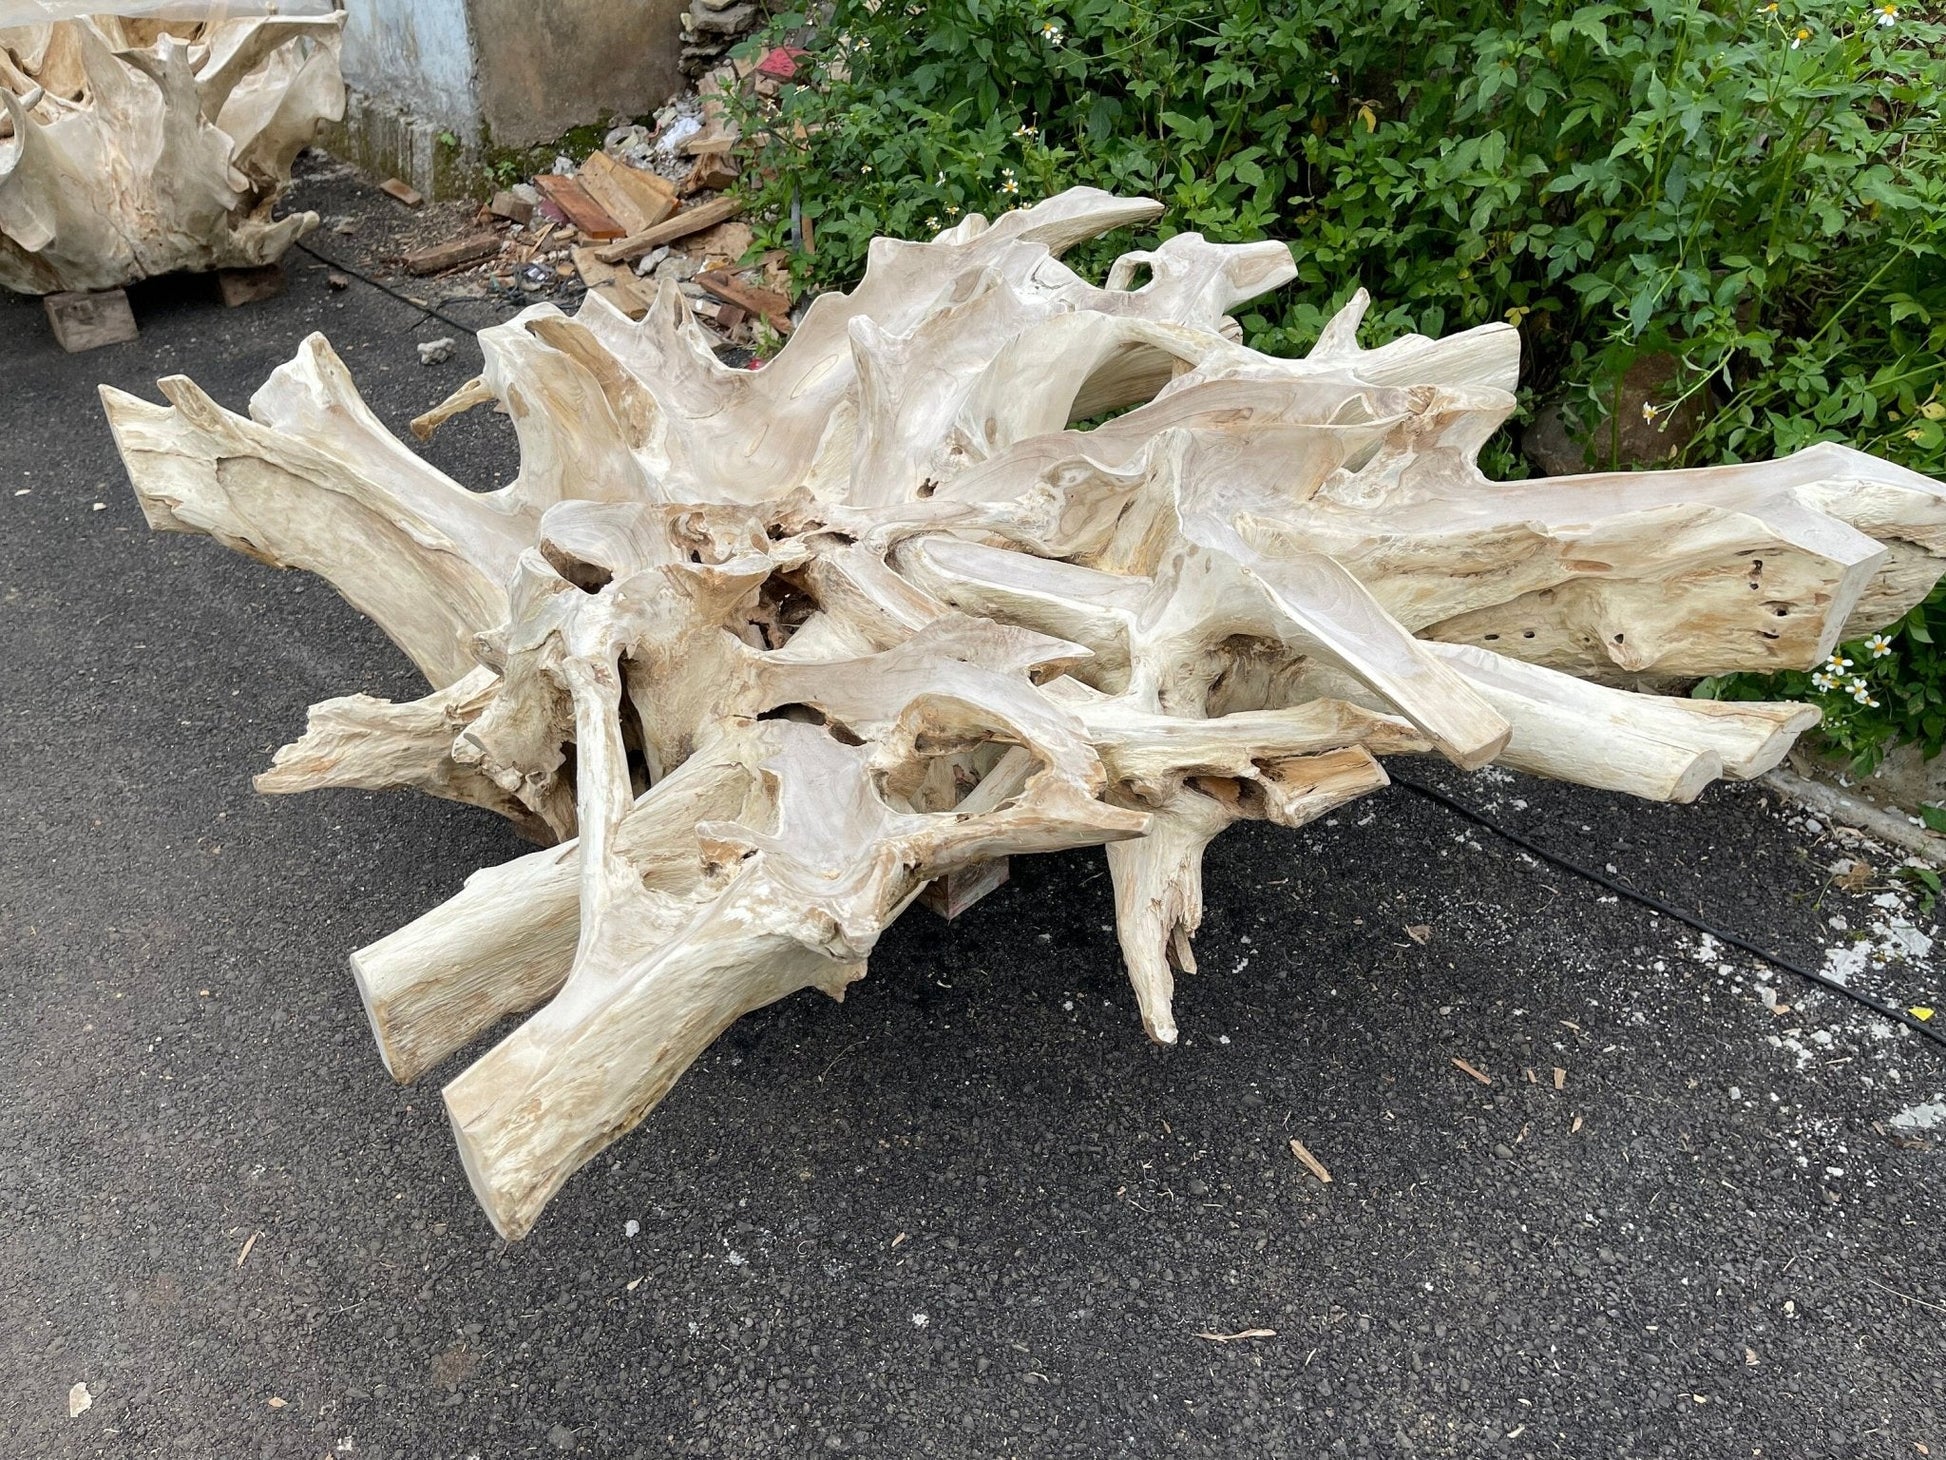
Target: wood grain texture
{"points": [[766, 653], [132, 148]]}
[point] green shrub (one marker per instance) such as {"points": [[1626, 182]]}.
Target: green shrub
{"points": [[1756, 191], [1878, 692]]}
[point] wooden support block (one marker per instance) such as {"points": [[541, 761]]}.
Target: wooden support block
{"points": [[237, 287], [637, 200], [689, 220], [403, 192], [88, 320], [953, 894], [443, 256], [578, 206]]}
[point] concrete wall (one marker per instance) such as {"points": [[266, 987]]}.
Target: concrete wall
{"points": [[435, 83], [418, 56], [549, 65]]}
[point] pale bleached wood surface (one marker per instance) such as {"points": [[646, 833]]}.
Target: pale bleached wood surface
{"points": [[765, 652], [130, 148]]}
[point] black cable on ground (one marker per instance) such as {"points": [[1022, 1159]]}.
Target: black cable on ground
{"points": [[384, 288], [1775, 960]]}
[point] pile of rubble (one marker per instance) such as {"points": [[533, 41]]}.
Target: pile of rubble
{"points": [[650, 206]]}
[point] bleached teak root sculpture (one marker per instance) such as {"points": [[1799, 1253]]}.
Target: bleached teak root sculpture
{"points": [[762, 653], [130, 148]]}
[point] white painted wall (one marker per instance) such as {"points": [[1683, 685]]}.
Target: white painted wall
{"points": [[416, 55]]}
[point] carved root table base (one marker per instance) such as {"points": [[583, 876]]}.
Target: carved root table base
{"points": [[131, 148], [764, 654]]}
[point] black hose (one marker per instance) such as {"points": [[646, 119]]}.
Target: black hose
{"points": [[1775, 960]]}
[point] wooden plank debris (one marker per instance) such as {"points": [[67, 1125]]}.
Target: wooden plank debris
{"points": [[713, 172], [578, 206], [1477, 1073], [403, 192], [635, 199], [614, 283], [625, 294], [511, 206], [451, 255], [690, 220], [771, 307]]}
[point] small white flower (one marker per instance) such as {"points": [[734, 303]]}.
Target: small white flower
{"points": [[1051, 32], [866, 168], [932, 222], [1879, 646], [1650, 412], [952, 210], [1860, 691], [1023, 130], [1836, 664], [1888, 15], [1800, 38], [1007, 183], [1821, 680]]}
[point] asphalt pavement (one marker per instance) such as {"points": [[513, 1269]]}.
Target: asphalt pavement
{"points": [[970, 1212]]}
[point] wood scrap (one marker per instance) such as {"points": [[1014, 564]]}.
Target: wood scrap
{"points": [[578, 206], [443, 256], [594, 270], [773, 308], [693, 219], [713, 172], [636, 199], [1311, 1163], [511, 206], [626, 294], [723, 245]]}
